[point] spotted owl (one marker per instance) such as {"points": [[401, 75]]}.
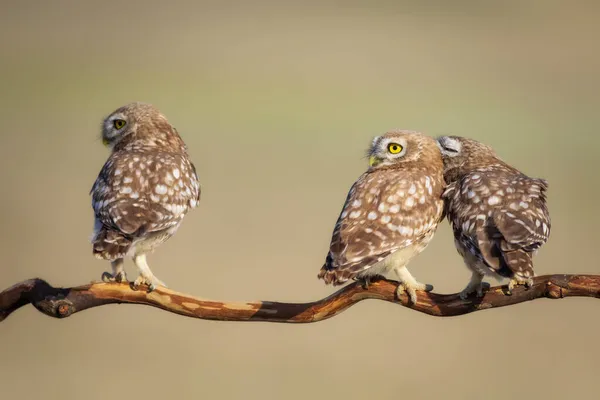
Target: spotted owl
{"points": [[391, 213], [146, 187], [498, 214]]}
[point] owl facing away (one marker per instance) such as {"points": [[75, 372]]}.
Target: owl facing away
{"points": [[391, 213], [146, 187], [498, 214]]}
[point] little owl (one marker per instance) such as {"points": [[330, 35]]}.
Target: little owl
{"points": [[391, 213], [498, 214], [144, 190]]}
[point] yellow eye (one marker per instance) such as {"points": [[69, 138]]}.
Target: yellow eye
{"points": [[394, 148], [119, 123]]}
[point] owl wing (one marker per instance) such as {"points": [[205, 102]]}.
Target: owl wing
{"points": [[379, 218], [198, 189], [136, 194], [525, 222], [497, 212]]}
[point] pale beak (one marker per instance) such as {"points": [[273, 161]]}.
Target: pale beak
{"points": [[105, 141], [373, 161]]}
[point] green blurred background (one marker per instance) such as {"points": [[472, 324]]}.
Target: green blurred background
{"points": [[277, 102]]}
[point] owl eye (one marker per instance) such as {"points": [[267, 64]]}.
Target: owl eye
{"points": [[119, 123], [394, 148]]}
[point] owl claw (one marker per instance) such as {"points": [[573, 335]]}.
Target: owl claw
{"points": [[366, 282], [411, 290], [484, 287], [514, 282], [152, 283], [479, 289], [119, 277]]}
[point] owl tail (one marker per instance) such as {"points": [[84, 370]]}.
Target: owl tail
{"points": [[333, 276], [110, 245]]}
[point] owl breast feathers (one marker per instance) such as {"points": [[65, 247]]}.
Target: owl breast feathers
{"points": [[500, 217], [380, 218], [391, 212]]}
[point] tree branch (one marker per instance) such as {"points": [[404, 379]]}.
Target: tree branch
{"points": [[63, 302]]}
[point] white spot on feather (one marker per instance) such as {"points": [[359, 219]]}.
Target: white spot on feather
{"points": [[493, 200], [160, 189]]}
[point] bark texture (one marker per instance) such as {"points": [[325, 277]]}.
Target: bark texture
{"points": [[64, 302]]}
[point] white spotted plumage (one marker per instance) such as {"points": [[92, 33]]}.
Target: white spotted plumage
{"points": [[391, 212], [138, 203], [498, 214]]}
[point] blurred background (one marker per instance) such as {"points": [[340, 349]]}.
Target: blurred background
{"points": [[277, 102]]}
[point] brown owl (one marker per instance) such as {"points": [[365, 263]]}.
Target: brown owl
{"points": [[498, 214], [390, 214], [144, 190]]}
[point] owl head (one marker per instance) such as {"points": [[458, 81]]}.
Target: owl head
{"points": [[140, 124], [398, 148], [462, 154]]}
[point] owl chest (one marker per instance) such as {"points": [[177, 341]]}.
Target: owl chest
{"points": [[399, 258]]}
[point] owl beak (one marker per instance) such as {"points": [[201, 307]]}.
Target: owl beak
{"points": [[373, 161], [105, 141]]}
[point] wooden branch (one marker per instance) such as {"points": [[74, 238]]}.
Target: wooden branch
{"points": [[63, 302]]}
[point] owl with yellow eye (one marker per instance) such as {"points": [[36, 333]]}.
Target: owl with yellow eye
{"points": [[143, 192], [391, 213]]}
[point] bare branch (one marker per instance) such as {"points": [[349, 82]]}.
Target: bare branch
{"points": [[63, 302]]}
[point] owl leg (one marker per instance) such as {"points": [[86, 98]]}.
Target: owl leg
{"points": [[146, 276], [366, 281], [408, 284], [476, 285], [118, 274]]}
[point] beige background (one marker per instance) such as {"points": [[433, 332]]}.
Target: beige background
{"points": [[277, 102]]}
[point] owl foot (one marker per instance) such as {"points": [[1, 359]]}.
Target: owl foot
{"points": [[366, 281], [479, 288], [411, 289], [514, 282], [152, 282], [118, 277]]}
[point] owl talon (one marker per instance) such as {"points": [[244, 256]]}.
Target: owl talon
{"points": [[529, 283], [514, 282], [151, 282], [411, 290], [484, 287], [479, 289], [365, 283], [119, 277]]}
